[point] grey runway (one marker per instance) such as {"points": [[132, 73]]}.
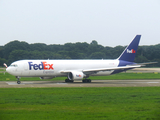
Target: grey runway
{"points": [[94, 83]]}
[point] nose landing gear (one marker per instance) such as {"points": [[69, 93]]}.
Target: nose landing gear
{"points": [[18, 81]]}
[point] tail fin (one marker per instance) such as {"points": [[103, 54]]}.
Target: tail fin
{"points": [[130, 52]]}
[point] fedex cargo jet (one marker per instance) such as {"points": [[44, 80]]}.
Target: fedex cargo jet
{"points": [[76, 69]]}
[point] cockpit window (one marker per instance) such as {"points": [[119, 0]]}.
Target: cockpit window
{"points": [[13, 65]]}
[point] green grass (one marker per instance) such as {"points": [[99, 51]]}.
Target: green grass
{"points": [[131, 103], [2, 70], [128, 76], [120, 76]]}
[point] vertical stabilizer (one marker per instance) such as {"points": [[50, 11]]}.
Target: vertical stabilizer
{"points": [[130, 52]]}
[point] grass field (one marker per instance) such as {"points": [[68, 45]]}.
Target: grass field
{"points": [[132, 103], [128, 103], [120, 76]]}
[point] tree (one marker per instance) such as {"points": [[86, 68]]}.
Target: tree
{"points": [[97, 55], [38, 46], [16, 50], [14, 45], [2, 61], [141, 59], [94, 42]]}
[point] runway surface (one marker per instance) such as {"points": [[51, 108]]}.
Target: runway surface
{"points": [[94, 83]]}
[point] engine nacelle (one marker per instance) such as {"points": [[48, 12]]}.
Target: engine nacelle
{"points": [[46, 77], [76, 75]]}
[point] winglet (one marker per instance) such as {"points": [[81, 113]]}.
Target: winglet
{"points": [[130, 52]]}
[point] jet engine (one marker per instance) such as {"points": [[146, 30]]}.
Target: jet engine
{"points": [[76, 75]]}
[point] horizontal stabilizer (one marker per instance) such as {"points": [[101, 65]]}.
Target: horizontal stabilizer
{"points": [[147, 63]]}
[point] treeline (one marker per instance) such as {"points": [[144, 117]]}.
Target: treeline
{"points": [[17, 50]]}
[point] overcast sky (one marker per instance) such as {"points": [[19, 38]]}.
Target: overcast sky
{"points": [[109, 22]]}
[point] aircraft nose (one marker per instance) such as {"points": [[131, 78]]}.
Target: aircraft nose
{"points": [[8, 69]]}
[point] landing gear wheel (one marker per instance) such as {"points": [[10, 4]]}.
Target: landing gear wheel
{"points": [[69, 81], [86, 81], [18, 82], [89, 80]]}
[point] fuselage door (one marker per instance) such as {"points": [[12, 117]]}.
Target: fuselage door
{"points": [[25, 66]]}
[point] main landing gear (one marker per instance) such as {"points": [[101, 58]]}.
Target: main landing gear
{"points": [[18, 81], [84, 81], [69, 81]]}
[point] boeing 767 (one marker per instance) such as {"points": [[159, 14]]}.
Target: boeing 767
{"points": [[76, 69]]}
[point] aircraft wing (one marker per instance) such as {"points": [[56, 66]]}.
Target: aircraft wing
{"points": [[104, 69], [120, 68], [113, 68]]}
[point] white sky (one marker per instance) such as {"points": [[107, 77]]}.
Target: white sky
{"points": [[109, 22]]}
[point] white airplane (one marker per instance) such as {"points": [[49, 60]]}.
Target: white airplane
{"points": [[76, 69]]}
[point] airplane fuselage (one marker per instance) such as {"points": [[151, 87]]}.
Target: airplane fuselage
{"points": [[53, 68], [76, 69]]}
